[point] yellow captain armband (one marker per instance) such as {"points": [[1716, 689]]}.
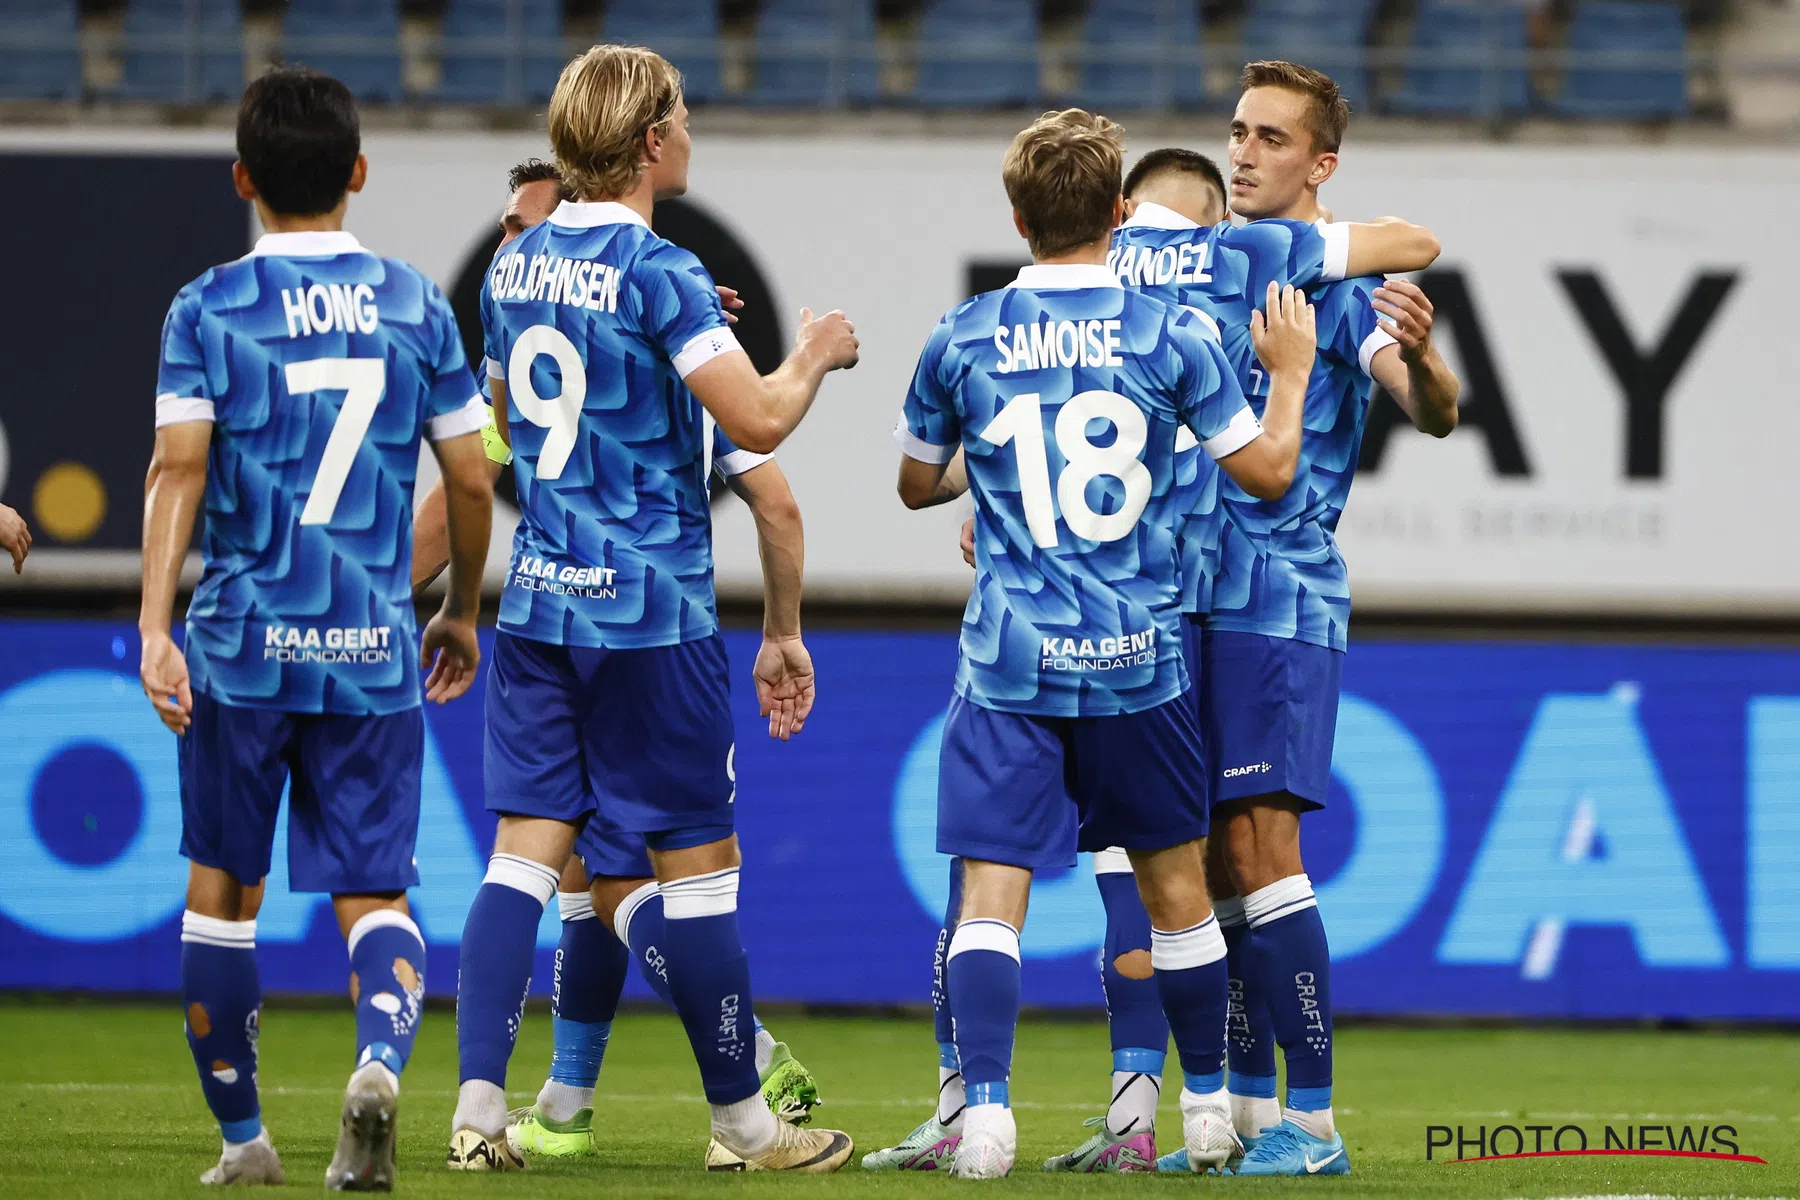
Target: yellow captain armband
{"points": [[491, 441]]}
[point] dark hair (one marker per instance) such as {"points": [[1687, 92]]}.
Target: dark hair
{"points": [[1327, 112], [536, 170], [1173, 159], [298, 137]]}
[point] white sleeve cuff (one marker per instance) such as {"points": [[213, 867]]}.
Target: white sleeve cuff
{"points": [[1243, 430], [173, 410], [917, 447], [703, 349], [1372, 345], [1337, 250], [739, 461], [467, 419], [495, 370]]}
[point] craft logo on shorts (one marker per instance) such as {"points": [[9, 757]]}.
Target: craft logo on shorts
{"points": [[355, 644], [1483, 1143], [1098, 654], [536, 574]]}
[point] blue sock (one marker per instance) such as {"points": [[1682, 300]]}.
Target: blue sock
{"points": [[1249, 1037], [222, 997], [590, 973], [498, 940], [1191, 978], [1134, 1011], [387, 973], [1290, 954], [983, 983], [640, 924], [709, 979], [940, 994]]}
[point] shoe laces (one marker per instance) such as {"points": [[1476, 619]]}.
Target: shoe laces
{"points": [[1277, 1141]]}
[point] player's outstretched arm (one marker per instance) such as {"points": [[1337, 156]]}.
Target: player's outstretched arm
{"points": [[173, 491], [431, 523], [785, 684], [1413, 372], [1286, 341], [926, 485], [1389, 244], [449, 650], [15, 537], [758, 411]]}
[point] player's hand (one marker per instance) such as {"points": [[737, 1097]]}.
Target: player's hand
{"points": [[832, 337], [164, 673], [1285, 335], [728, 300], [784, 685], [15, 537], [1408, 311], [968, 541], [451, 652]]}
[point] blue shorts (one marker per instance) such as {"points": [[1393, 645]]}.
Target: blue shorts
{"points": [[1011, 786], [642, 737], [1268, 708], [353, 808]]}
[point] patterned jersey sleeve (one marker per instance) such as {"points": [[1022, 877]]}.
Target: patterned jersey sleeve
{"points": [[453, 406], [930, 429], [681, 313], [494, 367], [1353, 332], [1288, 252], [182, 391], [1209, 400], [729, 460]]}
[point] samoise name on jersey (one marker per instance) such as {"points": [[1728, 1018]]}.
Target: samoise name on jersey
{"points": [[536, 574], [1051, 344], [330, 308], [579, 282], [334, 644], [1151, 266], [1104, 654]]}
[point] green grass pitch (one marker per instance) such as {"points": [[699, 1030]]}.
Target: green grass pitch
{"points": [[101, 1101]]}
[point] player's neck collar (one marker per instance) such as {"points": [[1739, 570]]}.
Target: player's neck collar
{"points": [[1151, 215], [1042, 276], [578, 214], [315, 243]]}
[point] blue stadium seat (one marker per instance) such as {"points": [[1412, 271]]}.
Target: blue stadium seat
{"points": [[978, 53], [183, 50], [802, 45], [1462, 32], [1627, 91], [1328, 35], [1123, 63], [358, 41], [46, 65], [479, 55], [686, 32]]}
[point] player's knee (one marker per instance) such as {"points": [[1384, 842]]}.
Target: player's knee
{"points": [[1134, 964]]}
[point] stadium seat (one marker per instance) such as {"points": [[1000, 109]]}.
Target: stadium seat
{"points": [[1326, 34], [183, 50], [358, 41], [978, 53], [803, 45], [686, 32], [1451, 38], [42, 58], [1626, 91], [479, 56], [1123, 63]]}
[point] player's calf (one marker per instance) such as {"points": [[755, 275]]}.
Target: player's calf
{"points": [[387, 984]]}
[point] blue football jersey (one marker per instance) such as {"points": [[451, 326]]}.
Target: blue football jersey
{"points": [[320, 366], [1280, 572], [592, 322], [1223, 273], [1065, 392]]}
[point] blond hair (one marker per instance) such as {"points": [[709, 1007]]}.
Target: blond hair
{"points": [[1327, 112], [1062, 175], [604, 104]]}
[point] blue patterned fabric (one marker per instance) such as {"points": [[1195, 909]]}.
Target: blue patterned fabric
{"points": [[321, 366], [1065, 392], [592, 321]]}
